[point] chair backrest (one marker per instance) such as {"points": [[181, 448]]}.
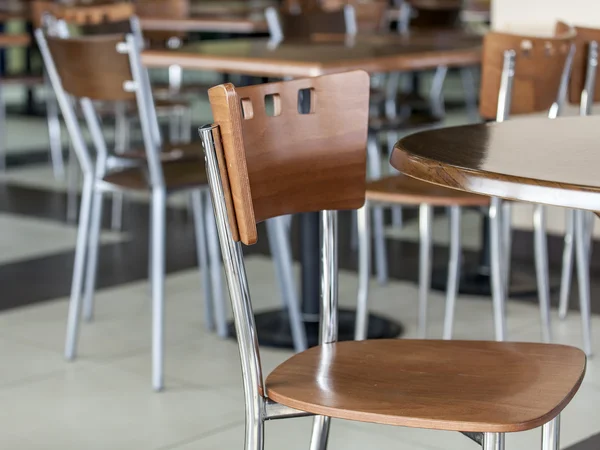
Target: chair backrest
{"points": [[103, 68], [282, 148], [301, 25], [170, 9], [284, 163], [539, 75], [82, 14], [585, 58]]}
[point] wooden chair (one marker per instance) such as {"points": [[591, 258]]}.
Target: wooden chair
{"points": [[584, 91], [78, 69], [260, 166], [302, 25]]}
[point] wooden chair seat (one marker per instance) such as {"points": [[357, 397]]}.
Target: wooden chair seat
{"points": [[170, 152], [410, 191], [448, 385], [179, 175]]}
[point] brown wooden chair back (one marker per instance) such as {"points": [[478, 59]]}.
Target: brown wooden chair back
{"points": [[83, 14], [306, 23], [539, 66], [582, 41], [283, 161], [371, 15], [90, 66], [170, 9]]}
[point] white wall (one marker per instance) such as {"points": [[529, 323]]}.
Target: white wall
{"points": [[539, 16]]}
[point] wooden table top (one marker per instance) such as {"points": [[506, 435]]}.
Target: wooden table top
{"points": [[324, 54], [537, 160]]}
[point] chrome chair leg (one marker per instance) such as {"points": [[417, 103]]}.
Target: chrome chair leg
{"points": [[353, 231], [380, 249], [214, 255], [364, 273], [493, 441], [541, 267], [453, 271], [54, 135], [392, 138], [158, 225], [78, 269], [92, 262], [436, 95], [506, 243], [567, 264], [583, 279], [425, 247], [468, 83], [551, 434], [320, 433], [498, 294], [281, 252], [202, 253], [72, 185]]}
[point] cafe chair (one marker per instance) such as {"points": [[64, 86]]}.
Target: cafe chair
{"points": [[301, 25], [583, 91], [262, 166], [78, 71]]}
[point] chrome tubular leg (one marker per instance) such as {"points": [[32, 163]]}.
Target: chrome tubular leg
{"points": [[373, 157], [54, 135], [541, 267], [158, 224], [567, 263], [551, 434], [202, 253], [468, 83], [2, 130], [583, 279], [78, 269], [320, 433], [493, 441], [279, 243], [506, 243], [116, 216], [72, 185], [364, 274], [498, 294], [453, 271], [380, 249], [436, 95], [92, 262], [216, 281], [353, 231], [425, 247], [254, 438]]}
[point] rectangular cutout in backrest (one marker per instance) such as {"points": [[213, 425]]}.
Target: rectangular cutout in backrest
{"points": [[273, 105], [306, 101], [247, 110]]}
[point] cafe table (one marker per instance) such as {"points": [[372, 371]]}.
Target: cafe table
{"points": [[553, 162], [321, 54]]}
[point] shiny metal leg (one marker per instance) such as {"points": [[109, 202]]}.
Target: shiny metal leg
{"points": [[425, 247], [392, 138], [364, 273], [158, 225], [453, 271], [436, 95], [216, 281], [583, 279], [320, 433], [541, 268], [353, 231], [254, 438], [373, 157], [506, 243], [493, 441], [72, 185], [380, 249], [92, 262], [567, 263], [54, 135], [498, 294], [468, 83], [202, 253], [78, 269], [279, 243], [551, 434]]}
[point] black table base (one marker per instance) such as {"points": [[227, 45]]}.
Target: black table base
{"points": [[274, 328], [475, 280]]}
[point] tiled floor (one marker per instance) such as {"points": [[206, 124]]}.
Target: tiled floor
{"points": [[104, 400]]}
